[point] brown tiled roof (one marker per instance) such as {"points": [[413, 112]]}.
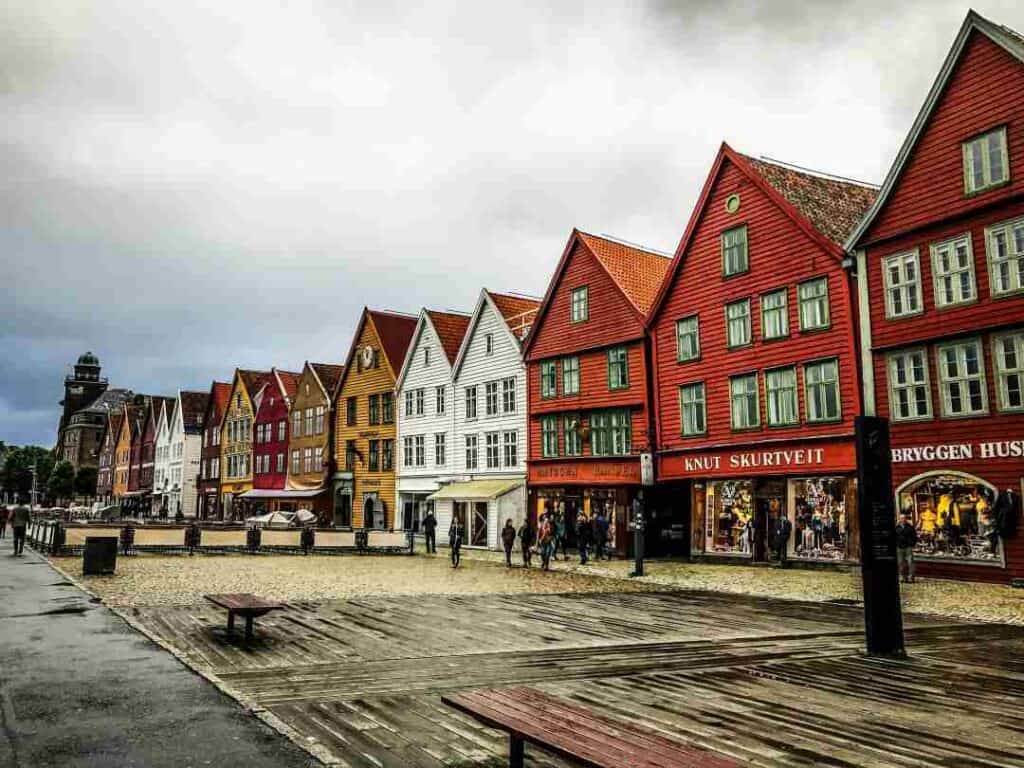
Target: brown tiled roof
{"points": [[193, 408], [450, 327], [637, 272], [832, 206], [221, 393], [518, 311], [395, 332], [329, 375], [253, 380], [290, 382]]}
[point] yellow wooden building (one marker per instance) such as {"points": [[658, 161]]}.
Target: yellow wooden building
{"points": [[236, 441], [364, 436], [123, 454]]}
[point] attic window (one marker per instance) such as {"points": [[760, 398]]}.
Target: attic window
{"points": [[732, 203], [426, 355], [985, 161], [580, 305], [489, 341], [734, 251]]}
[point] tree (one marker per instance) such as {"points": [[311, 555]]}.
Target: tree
{"points": [[61, 484], [85, 481], [17, 471]]}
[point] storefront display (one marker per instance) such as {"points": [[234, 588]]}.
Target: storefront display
{"points": [[954, 517], [820, 518], [569, 502], [729, 522]]}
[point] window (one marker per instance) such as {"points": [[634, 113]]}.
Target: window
{"points": [[692, 414], [307, 460], [548, 379], [1005, 244], [387, 455], [280, 463], [1008, 361], [350, 412], [421, 452], [309, 422], [774, 315], [420, 402], [570, 375], [407, 452], [492, 450], [439, 446], [902, 284], [618, 368], [408, 403], [296, 466], [953, 271], [812, 297], [319, 420], [611, 432], [573, 438], [426, 356], [387, 407], [439, 400], [985, 161], [374, 409], [471, 452], [780, 397], [549, 436], [508, 395], [470, 402], [350, 455], [489, 344], [282, 430], [734, 251], [510, 444], [737, 316], [909, 393], [491, 398], [746, 411], [373, 463], [296, 423], [687, 339], [961, 378], [580, 305], [821, 382], [318, 459]]}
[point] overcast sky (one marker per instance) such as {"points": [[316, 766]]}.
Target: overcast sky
{"points": [[187, 187]]}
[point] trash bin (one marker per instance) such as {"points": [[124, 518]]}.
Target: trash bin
{"points": [[100, 556]]}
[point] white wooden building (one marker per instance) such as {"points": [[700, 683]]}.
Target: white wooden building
{"points": [[161, 458]]}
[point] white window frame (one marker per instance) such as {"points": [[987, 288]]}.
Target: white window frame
{"points": [[944, 400], [492, 440], [440, 449], [472, 452], [688, 334], [510, 448], [471, 403], [987, 181], [420, 446], [508, 394], [895, 388], [697, 404], [1001, 373], [938, 276], [439, 400], [408, 453], [571, 375], [579, 304], [421, 406], [491, 402], [804, 302], [1014, 256], [809, 400], [547, 366], [904, 286], [549, 437]]}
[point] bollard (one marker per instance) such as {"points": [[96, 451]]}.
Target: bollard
{"points": [[308, 539], [193, 537], [253, 537], [410, 539], [362, 539], [128, 539], [59, 537]]}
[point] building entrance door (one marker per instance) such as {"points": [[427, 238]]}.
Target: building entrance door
{"points": [[769, 507]]}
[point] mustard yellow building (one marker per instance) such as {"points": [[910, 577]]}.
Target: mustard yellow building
{"points": [[236, 441], [123, 453], [364, 434]]}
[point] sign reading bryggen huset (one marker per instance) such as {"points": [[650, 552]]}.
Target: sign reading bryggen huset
{"points": [[990, 449], [824, 457]]}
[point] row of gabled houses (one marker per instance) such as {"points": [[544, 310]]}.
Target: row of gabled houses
{"points": [[794, 302]]}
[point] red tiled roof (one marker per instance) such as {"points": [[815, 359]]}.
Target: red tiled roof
{"points": [[290, 381], [518, 311], [450, 329], [253, 380], [637, 272], [832, 206], [193, 407], [221, 392], [329, 375], [395, 332]]}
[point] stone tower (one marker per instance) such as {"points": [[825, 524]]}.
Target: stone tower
{"points": [[80, 389]]}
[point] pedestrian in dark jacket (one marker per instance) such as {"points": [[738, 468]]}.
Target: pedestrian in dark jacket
{"points": [[526, 542], [906, 540], [601, 525], [508, 539], [456, 533], [20, 519], [430, 532], [584, 535], [782, 530], [560, 537]]}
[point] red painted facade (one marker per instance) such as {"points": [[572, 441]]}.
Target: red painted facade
{"points": [[209, 464], [271, 431], [942, 458]]}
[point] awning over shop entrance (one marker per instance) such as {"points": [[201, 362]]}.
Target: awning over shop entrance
{"points": [[262, 493], [476, 490]]}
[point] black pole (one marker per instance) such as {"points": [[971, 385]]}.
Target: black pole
{"points": [[883, 616], [638, 534]]}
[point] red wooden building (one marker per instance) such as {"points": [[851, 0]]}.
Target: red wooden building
{"points": [[589, 416], [755, 363], [209, 461], [940, 265], [271, 431]]}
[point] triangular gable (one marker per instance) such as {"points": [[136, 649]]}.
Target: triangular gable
{"points": [[220, 392], [1005, 38], [394, 361], [485, 299], [326, 376], [445, 326]]}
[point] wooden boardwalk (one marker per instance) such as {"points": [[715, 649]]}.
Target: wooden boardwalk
{"points": [[768, 682]]}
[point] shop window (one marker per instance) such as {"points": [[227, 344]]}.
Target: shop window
{"points": [[737, 321], [820, 522], [549, 436], [693, 417], [814, 307], [580, 305], [734, 251], [548, 379], [953, 516], [953, 271], [774, 315], [729, 518], [573, 437], [1008, 359], [492, 445], [618, 368], [472, 457], [961, 378], [985, 161], [909, 391], [821, 380], [780, 397], [902, 275], [570, 375], [470, 402], [746, 412], [687, 339], [1005, 246], [491, 398]]}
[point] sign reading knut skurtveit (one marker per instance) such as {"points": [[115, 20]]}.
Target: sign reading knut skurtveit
{"points": [[828, 456]]}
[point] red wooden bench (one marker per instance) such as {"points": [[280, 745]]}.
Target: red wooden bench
{"points": [[576, 733], [245, 605]]}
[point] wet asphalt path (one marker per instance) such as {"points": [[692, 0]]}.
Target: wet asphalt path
{"points": [[78, 687]]}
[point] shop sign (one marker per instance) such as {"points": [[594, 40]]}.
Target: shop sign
{"points": [[585, 472], [838, 456], [996, 449]]}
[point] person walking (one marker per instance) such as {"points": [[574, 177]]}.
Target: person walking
{"points": [[430, 532], [4, 513], [526, 541], [601, 537], [545, 541], [20, 519], [583, 536], [560, 537], [456, 533], [906, 540], [783, 528], [508, 539]]}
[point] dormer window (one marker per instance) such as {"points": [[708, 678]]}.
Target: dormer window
{"points": [[580, 305], [986, 163]]}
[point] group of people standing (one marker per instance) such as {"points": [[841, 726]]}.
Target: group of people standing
{"points": [[552, 534]]}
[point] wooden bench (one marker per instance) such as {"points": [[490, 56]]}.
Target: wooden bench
{"points": [[576, 733], [245, 605]]}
